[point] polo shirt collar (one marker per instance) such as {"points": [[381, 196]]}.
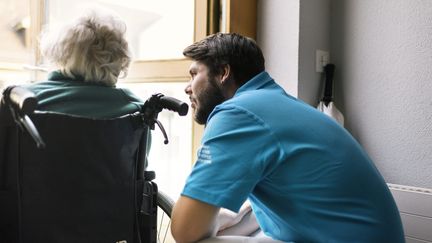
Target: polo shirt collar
{"points": [[259, 81]]}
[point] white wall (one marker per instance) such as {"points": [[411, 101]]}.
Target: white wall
{"points": [[383, 53], [314, 34], [278, 36], [289, 32]]}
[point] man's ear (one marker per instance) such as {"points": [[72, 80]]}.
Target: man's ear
{"points": [[226, 72]]}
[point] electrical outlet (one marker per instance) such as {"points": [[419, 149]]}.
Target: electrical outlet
{"points": [[322, 58]]}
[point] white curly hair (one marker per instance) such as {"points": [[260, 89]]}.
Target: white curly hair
{"points": [[92, 47]]}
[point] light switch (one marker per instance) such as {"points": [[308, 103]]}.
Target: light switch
{"points": [[322, 58]]}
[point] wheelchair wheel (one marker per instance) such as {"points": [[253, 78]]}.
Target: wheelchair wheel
{"points": [[165, 205]]}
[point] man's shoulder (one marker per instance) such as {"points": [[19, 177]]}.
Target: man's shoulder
{"points": [[258, 101]]}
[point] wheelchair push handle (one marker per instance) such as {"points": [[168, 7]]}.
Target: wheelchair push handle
{"points": [[155, 104], [22, 103], [174, 104], [22, 99]]}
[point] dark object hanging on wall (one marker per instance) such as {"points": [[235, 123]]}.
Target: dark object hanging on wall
{"points": [[326, 105]]}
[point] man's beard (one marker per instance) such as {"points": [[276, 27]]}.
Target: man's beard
{"points": [[208, 99]]}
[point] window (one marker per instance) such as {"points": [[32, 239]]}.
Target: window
{"points": [[14, 25], [155, 29], [15, 47], [157, 32]]}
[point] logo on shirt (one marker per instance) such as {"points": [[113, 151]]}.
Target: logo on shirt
{"points": [[204, 155]]}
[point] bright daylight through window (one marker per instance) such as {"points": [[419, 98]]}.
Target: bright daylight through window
{"points": [[157, 32]]}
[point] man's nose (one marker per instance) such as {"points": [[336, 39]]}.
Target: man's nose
{"points": [[188, 89]]}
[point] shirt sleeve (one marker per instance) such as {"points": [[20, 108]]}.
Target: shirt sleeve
{"points": [[231, 160]]}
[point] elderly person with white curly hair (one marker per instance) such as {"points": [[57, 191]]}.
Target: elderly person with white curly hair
{"points": [[89, 55]]}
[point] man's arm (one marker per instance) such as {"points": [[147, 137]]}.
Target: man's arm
{"points": [[192, 220]]}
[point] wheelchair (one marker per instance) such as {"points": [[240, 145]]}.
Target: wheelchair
{"points": [[66, 178]]}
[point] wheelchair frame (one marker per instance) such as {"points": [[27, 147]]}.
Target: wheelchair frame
{"points": [[22, 103]]}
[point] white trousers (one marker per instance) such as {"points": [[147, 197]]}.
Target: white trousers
{"points": [[239, 227], [259, 238]]}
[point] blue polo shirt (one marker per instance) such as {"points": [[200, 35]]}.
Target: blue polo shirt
{"points": [[88, 99], [307, 179]]}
